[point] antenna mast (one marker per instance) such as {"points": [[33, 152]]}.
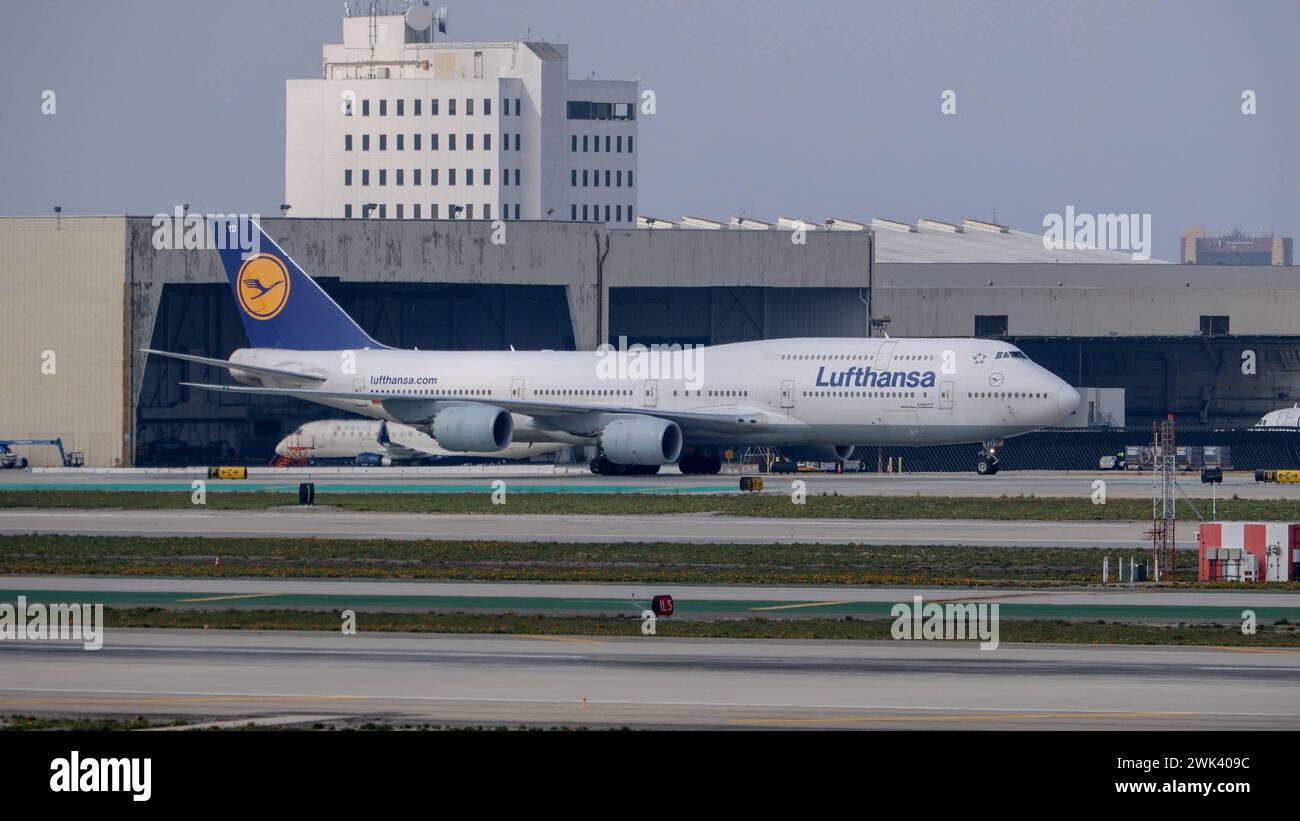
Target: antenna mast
{"points": [[1164, 518], [374, 34]]}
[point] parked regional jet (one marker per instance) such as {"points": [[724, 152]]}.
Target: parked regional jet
{"points": [[350, 439], [1285, 418], [813, 398]]}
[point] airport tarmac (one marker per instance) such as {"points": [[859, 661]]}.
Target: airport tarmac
{"points": [[318, 522], [1113, 602], [549, 479], [650, 681]]}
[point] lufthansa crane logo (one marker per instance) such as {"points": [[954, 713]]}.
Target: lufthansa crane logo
{"points": [[263, 286]]}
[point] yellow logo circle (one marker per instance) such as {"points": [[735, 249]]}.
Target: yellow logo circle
{"points": [[263, 286]]}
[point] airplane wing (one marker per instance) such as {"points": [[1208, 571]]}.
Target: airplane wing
{"points": [[404, 452], [237, 366], [574, 417]]}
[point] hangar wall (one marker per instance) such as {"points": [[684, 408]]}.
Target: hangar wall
{"points": [[765, 259], [1198, 379], [1090, 311], [62, 290], [716, 316], [1136, 327]]}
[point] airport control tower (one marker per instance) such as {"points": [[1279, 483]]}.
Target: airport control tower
{"points": [[404, 124]]}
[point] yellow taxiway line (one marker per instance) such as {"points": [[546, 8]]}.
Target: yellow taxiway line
{"points": [[230, 598], [805, 604]]}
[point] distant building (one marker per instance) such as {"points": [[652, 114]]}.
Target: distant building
{"points": [[402, 127], [1234, 248]]}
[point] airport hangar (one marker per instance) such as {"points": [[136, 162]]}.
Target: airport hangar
{"points": [[82, 295]]}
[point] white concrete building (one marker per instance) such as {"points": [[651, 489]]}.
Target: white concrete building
{"points": [[400, 127]]}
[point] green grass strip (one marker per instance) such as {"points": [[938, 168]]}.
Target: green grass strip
{"points": [[1035, 631]]}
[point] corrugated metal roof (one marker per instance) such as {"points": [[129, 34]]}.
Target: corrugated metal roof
{"points": [[971, 241], [979, 245]]}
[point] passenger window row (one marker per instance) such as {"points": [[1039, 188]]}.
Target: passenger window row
{"points": [[862, 394]]}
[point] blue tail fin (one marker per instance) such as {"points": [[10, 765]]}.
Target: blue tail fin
{"points": [[280, 305]]}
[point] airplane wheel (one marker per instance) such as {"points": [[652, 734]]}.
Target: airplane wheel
{"points": [[604, 467], [986, 467], [698, 465]]}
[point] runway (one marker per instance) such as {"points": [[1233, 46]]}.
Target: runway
{"points": [[290, 522], [549, 479], [692, 601], [319, 522], [651, 682]]}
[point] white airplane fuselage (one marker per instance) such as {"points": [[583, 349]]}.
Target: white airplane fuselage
{"points": [[805, 391], [1284, 418], [347, 439]]}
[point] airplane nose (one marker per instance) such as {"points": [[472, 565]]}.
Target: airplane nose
{"points": [[1067, 400]]}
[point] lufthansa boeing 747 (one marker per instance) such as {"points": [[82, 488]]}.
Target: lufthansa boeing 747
{"points": [[809, 397]]}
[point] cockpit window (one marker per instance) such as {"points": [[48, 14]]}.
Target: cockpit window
{"points": [[1010, 355]]}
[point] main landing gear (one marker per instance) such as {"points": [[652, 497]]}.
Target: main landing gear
{"points": [[987, 464], [603, 467], [697, 464]]}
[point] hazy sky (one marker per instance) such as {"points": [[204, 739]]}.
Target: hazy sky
{"points": [[807, 110]]}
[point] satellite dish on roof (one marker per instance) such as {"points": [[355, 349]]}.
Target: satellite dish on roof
{"points": [[442, 19], [419, 17]]}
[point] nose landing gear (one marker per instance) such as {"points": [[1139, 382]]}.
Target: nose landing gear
{"points": [[987, 464]]}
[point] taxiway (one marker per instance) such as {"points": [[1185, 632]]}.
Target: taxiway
{"points": [[650, 681], [1114, 602], [319, 522]]}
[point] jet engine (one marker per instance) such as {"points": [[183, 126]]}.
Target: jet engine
{"points": [[473, 428], [641, 440]]}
